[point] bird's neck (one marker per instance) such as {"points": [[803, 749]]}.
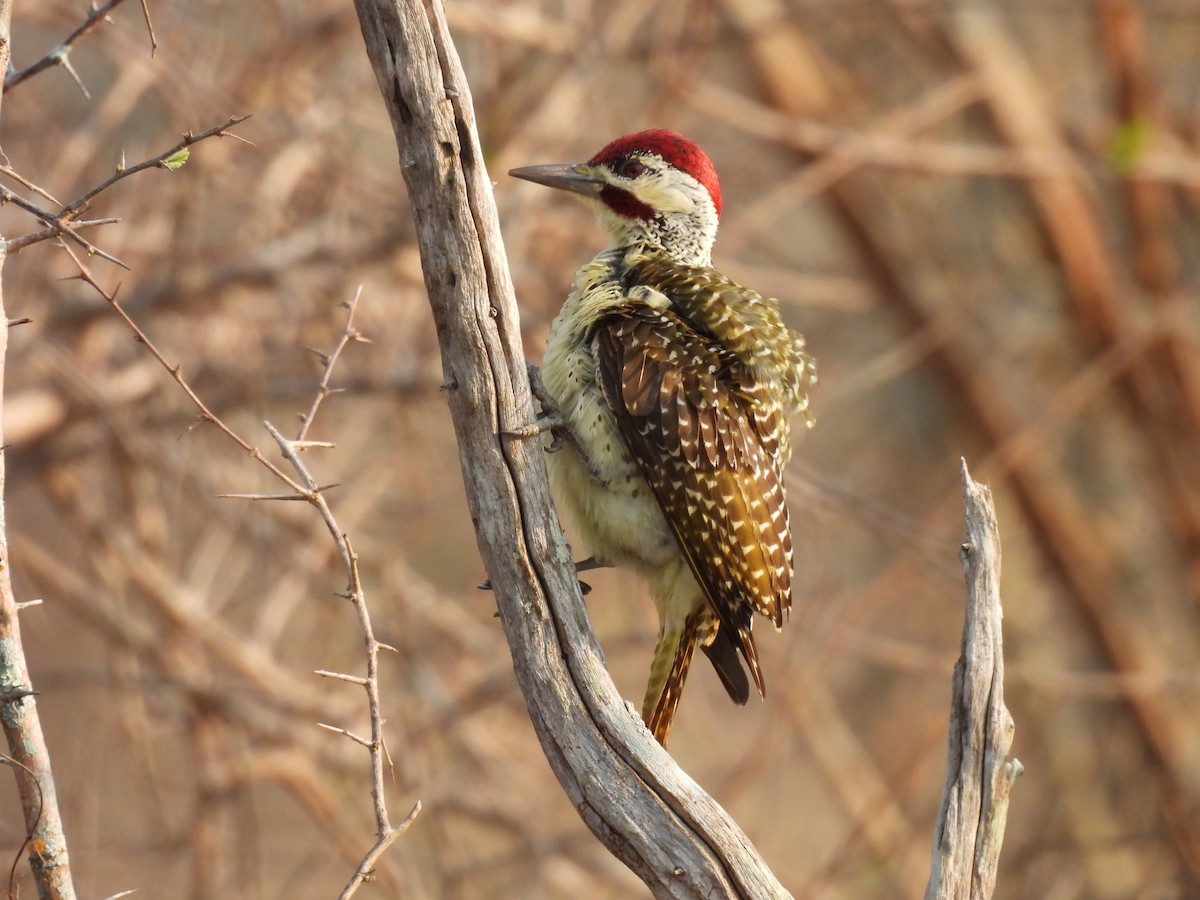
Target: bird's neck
{"points": [[685, 239]]}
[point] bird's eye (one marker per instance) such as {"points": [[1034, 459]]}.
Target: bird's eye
{"points": [[630, 168]]}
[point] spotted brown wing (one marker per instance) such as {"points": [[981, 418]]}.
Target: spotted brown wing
{"points": [[704, 432]]}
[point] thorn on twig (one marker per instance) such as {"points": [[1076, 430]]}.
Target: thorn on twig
{"points": [[196, 422], [292, 497], [340, 676], [237, 137], [358, 739], [62, 57], [16, 694], [408, 820], [387, 756]]}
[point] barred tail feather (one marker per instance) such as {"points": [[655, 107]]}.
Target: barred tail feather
{"points": [[668, 672]]}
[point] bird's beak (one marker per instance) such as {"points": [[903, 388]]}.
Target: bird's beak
{"points": [[577, 178]]}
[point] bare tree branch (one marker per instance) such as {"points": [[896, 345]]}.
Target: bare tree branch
{"points": [[980, 773]]}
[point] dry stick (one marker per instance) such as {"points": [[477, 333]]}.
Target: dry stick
{"points": [[308, 490], [626, 787], [979, 772], [385, 834], [18, 707]]}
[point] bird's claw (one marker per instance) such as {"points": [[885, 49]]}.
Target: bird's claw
{"points": [[584, 589], [549, 419], [584, 565]]}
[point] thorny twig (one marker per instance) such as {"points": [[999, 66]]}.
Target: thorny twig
{"points": [[57, 226], [60, 55], [306, 488], [206, 415], [350, 333], [75, 207], [65, 222]]}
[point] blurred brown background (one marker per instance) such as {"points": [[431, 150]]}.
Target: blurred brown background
{"points": [[986, 220]]}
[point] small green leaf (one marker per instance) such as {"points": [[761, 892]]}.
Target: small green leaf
{"points": [[176, 160], [1128, 143]]}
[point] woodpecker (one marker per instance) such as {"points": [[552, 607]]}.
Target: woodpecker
{"points": [[675, 384]]}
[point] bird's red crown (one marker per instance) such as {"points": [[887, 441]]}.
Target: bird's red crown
{"points": [[674, 149]]}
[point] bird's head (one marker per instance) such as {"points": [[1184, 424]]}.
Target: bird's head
{"points": [[653, 186]]}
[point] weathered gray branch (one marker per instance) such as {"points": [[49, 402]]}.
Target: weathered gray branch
{"points": [[626, 788], [980, 774]]}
